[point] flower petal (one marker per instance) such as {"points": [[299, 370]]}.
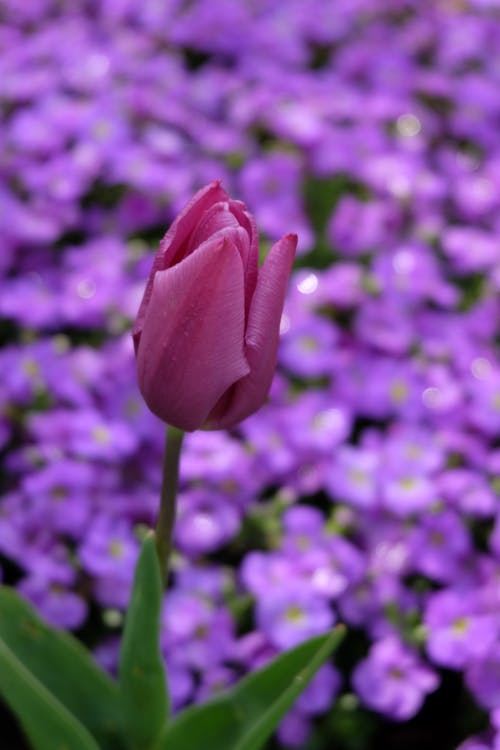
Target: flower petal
{"points": [[261, 339], [174, 239], [216, 218], [247, 221], [191, 347]]}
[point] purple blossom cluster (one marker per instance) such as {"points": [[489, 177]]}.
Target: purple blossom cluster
{"points": [[367, 490]]}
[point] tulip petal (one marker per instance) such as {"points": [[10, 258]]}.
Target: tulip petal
{"points": [[261, 339], [175, 239], [247, 221], [191, 347], [217, 217]]}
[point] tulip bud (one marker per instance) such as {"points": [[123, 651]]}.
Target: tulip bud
{"points": [[206, 334]]}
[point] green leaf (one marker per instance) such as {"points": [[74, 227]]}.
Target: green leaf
{"points": [[143, 684], [48, 724], [245, 717], [63, 666]]}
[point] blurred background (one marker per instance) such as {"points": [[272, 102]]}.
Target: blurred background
{"points": [[367, 489]]}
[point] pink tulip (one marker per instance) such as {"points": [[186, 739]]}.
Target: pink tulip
{"points": [[207, 330]]}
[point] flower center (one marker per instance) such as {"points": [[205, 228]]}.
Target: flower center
{"points": [[294, 614]]}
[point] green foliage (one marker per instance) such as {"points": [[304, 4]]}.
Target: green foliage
{"points": [[64, 701], [47, 723], [55, 664], [143, 683], [244, 717]]}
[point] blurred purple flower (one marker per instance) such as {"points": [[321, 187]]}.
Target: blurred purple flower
{"points": [[458, 631], [393, 681], [292, 614]]}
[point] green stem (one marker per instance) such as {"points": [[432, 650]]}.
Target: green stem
{"points": [[170, 481]]}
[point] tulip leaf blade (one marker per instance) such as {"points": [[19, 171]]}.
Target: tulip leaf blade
{"points": [[47, 723], [61, 664], [244, 717], [143, 683]]}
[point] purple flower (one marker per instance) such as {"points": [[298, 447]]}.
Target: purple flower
{"points": [[364, 603], [108, 553], [253, 650], [198, 629], [379, 387], [458, 631], [321, 692], [439, 546], [43, 310], [58, 605], [470, 249], [205, 522], [334, 568], [411, 272], [213, 456], [294, 729], [269, 186], [181, 684], [85, 433], [475, 196], [210, 581], [107, 655], [358, 227], [468, 491], [261, 572], [93, 291], [303, 528], [353, 476], [484, 409], [341, 286], [308, 348], [291, 615], [482, 677], [406, 492], [474, 743], [59, 496], [386, 325], [214, 681], [266, 435], [316, 424], [413, 449], [393, 681]]}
